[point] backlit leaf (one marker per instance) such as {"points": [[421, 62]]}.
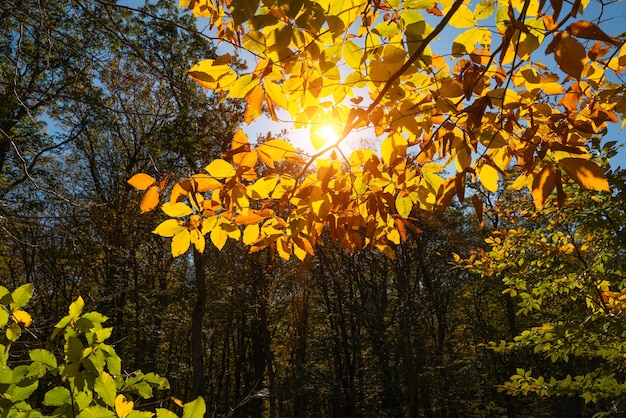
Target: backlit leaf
{"points": [[254, 101], [543, 185], [22, 317], [169, 228], [150, 199], [181, 242], [586, 173], [105, 387], [176, 210], [194, 409], [251, 234], [123, 407], [489, 177], [570, 55], [220, 169], [275, 150], [142, 181]]}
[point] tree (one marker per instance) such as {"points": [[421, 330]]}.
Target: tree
{"points": [[489, 102], [563, 269]]}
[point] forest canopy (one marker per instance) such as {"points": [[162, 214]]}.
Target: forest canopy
{"points": [[514, 96]]}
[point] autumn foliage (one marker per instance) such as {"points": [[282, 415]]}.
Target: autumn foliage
{"points": [[519, 91]]}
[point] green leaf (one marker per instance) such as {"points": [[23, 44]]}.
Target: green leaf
{"points": [[6, 375], [140, 414], [5, 296], [13, 332], [96, 412], [105, 388], [43, 356], [165, 413], [57, 396], [194, 409], [4, 316], [76, 308], [21, 393], [21, 296], [95, 317]]}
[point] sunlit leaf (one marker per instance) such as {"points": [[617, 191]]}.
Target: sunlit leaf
{"points": [[150, 199], [220, 169], [275, 150], [176, 210], [123, 407], [22, 317], [169, 228], [181, 242], [142, 181], [586, 173], [489, 177], [543, 185]]}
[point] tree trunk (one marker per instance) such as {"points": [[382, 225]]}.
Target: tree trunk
{"points": [[197, 355]]}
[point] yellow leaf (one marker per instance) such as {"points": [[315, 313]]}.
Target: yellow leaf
{"points": [[242, 86], [275, 150], [489, 177], [463, 18], [404, 205], [123, 407], [352, 54], [275, 94], [283, 247], [263, 187], [150, 199], [197, 239], [586, 173], [176, 210], [250, 234], [202, 183], [220, 169], [141, 181], [22, 317], [181, 242], [210, 76], [219, 237]]}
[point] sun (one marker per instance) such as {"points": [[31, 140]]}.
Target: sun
{"points": [[323, 134]]}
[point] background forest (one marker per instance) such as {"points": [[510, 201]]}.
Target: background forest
{"points": [[514, 314]]}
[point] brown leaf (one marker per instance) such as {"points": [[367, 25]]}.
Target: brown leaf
{"points": [[570, 55], [588, 30], [586, 173], [478, 208], [446, 193], [556, 7]]}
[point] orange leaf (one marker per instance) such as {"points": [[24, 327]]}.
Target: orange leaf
{"points": [[141, 181], [543, 184], [150, 199], [254, 101], [586, 173]]}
